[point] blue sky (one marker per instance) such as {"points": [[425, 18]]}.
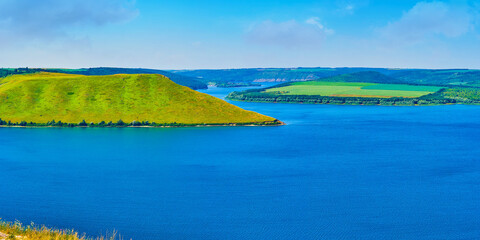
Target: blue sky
{"points": [[188, 34]]}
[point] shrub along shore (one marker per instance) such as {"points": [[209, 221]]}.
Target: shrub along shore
{"points": [[121, 123]]}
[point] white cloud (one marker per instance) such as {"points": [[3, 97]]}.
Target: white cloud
{"points": [[316, 22], [349, 7], [289, 34], [428, 19], [47, 19]]}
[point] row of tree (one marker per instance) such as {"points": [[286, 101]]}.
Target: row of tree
{"points": [[467, 95], [4, 72], [121, 123]]}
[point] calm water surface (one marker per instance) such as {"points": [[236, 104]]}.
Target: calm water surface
{"points": [[334, 172]]}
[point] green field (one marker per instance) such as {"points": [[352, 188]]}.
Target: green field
{"points": [[43, 97], [353, 89]]}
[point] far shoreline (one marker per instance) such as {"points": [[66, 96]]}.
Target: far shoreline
{"points": [[365, 105]]}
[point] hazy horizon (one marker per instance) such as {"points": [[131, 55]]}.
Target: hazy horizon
{"points": [[193, 69]]}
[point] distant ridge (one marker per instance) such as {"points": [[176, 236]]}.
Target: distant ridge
{"points": [[198, 79], [460, 77], [367, 76]]}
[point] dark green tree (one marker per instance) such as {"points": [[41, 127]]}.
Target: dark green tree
{"points": [[120, 123], [83, 123]]}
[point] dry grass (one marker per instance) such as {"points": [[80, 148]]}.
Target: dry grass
{"points": [[11, 231]]}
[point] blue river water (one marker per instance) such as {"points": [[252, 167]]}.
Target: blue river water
{"points": [[333, 172]]}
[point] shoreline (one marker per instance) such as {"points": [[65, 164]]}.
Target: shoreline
{"points": [[271, 124], [445, 96], [344, 104], [353, 104]]}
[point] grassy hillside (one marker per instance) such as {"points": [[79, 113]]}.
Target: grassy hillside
{"points": [[43, 97], [191, 82], [440, 77]]}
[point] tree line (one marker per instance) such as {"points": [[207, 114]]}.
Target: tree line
{"points": [[121, 123]]}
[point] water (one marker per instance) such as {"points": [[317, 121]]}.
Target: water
{"points": [[334, 172]]}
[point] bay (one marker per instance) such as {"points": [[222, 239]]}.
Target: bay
{"points": [[333, 172]]}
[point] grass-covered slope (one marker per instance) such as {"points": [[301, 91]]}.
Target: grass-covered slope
{"points": [[191, 82], [43, 97], [459, 77]]}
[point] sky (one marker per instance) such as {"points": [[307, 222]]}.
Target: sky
{"points": [[212, 34]]}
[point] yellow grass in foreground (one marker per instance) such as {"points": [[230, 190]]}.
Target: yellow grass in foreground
{"points": [[11, 231]]}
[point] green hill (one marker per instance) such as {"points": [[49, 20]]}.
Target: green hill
{"points": [[460, 77], [43, 97], [191, 82]]}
